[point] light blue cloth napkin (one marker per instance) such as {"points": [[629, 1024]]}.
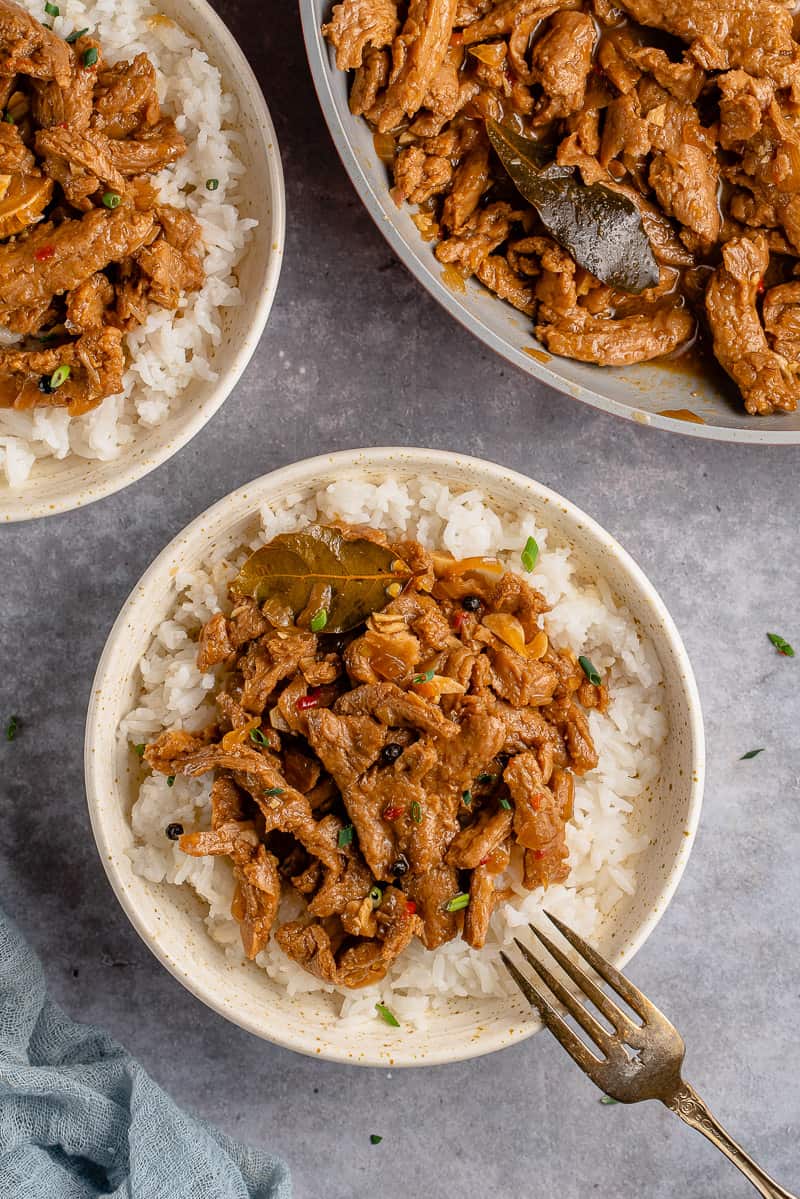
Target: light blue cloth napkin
{"points": [[80, 1118]]}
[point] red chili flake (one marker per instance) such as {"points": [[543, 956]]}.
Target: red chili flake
{"points": [[411, 907], [539, 854], [308, 701], [456, 39], [44, 253], [484, 861], [760, 287], [393, 812], [458, 621]]}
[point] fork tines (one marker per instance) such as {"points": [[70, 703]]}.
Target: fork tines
{"points": [[609, 1044]]}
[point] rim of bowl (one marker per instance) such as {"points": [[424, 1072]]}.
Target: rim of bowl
{"points": [[473, 324], [198, 417], [306, 470]]}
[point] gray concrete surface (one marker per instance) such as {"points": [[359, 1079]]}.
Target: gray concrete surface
{"points": [[355, 354]]}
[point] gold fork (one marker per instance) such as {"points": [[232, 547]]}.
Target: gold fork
{"points": [[639, 1061]]}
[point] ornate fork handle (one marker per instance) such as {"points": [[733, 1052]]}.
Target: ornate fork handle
{"points": [[687, 1104]]}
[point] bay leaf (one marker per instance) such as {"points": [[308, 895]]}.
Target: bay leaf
{"points": [[322, 567], [600, 228]]}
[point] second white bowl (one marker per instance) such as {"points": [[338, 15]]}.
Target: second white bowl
{"points": [[169, 918]]}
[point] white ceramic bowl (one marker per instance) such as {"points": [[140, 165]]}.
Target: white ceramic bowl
{"points": [[641, 393], [57, 486], [169, 919]]}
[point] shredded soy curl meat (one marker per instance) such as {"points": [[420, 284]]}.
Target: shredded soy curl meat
{"points": [[387, 776], [689, 110]]}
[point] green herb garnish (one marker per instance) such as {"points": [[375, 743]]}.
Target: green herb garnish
{"points": [[258, 737], [416, 812], [486, 778], [466, 798], [52, 10], [457, 903], [374, 1139], [505, 804], [9, 120], [76, 33], [319, 620], [530, 554], [424, 678], [345, 837], [11, 728], [751, 753], [139, 749], [59, 376], [783, 647], [212, 184], [607, 1101], [270, 791], [389, 1017], [90, 56], [112, 199], [376, 895], [589, 670], [171, 780]]}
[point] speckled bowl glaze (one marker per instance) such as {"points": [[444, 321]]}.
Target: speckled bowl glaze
{"points": [[641, 393], [169, 919], [58, 486]]}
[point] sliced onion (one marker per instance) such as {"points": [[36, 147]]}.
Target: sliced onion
{"points": [[508, 629], [537, 648], [240, 736]]}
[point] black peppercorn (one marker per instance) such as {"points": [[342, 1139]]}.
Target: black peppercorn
{"points": [[174, 831], [401, 865], [45, 385], [470, 603], [391, 752]]}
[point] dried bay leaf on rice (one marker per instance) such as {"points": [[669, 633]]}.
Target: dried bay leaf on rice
{"points": [[322, 568]]}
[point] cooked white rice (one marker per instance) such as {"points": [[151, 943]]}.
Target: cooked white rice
{"points": [[171, 349], [586, 617]]}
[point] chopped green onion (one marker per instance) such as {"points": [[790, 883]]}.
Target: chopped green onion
{"points": [[751, 753], [90, 56], [486, 778], [424, 678], [607, 1101], [76, 33], [466, 798], [319, 620], [270, 791], [589, 670], [457, 903], [376, 895], [783, 647], [171, 780], [52, 10], [388, 1016], [112, 199], [374, 1139], [59, 375], [139, 749], [258, 737], [345, 837], [505, 804], [11, 728], [9, 120], [416, 812], [212, 184], [530, 554]]}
